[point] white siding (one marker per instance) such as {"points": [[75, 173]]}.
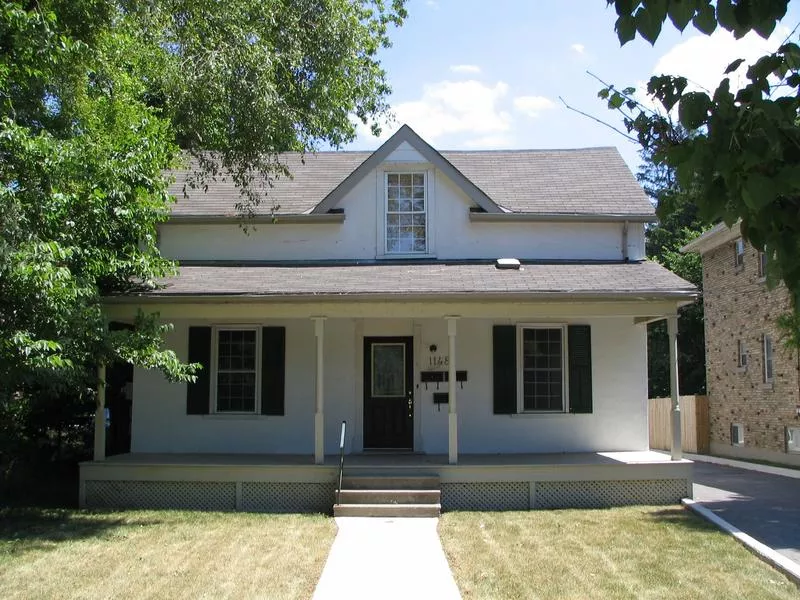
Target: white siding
{"points": [[405, 153], [619, 420], [454, 235]]}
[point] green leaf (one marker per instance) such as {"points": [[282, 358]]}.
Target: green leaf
{"points": [[626, 29], [616, 100], [681, 12], [733, 66], [648, 24], [759, 192], [726, 15], [693, 109], [623, 7], [705, 19]]}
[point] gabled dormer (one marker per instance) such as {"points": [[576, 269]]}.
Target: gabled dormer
{"points": [[404, 169]]}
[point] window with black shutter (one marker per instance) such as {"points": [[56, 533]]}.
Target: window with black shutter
{"points": [[535, 365], [243, 370]]}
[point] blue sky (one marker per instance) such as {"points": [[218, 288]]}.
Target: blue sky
{"points": [[475, 74]]}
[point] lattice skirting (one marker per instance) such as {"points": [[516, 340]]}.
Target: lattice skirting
{"points": [[599, 494], [503, 495], [522, 495], [287, 497], [211, 495]]}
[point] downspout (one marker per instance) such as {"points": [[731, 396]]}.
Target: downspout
{"points": [[625, 255]]}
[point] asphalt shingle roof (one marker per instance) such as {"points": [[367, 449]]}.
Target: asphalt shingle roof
{"points": [[442, 279], [582, 181]]}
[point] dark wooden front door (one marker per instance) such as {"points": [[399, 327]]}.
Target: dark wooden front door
{"points": [[388, 393]]}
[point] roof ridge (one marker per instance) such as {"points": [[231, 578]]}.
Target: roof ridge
{"points": [[532, 150]]}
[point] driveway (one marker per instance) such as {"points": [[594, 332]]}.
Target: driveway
{"points": [[762, 505]]}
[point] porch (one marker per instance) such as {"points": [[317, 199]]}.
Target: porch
{"points": [[295, 483]]}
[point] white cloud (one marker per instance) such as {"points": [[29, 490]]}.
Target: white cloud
{"points": [[579, 48], [433, 4], [533, 106], [703, 59], [452, 107], [465, 69]]}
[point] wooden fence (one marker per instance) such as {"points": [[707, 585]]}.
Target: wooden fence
{"points": [[694, 423]]}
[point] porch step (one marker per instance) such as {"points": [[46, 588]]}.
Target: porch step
{"points": [[396, 495], [361, 496], [386, 510], [394, 482]]}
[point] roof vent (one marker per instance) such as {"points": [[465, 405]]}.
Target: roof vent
{"points": [[507, 263]]}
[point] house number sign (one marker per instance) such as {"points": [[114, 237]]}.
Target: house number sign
{"points": [[438, 361]]}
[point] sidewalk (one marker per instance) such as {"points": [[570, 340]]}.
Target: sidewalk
{"points": [[387, 559]]}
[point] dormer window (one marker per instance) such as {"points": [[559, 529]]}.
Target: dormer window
{"points": [[406, 213]]}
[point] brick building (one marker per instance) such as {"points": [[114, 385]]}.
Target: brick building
{"points": [[753, 379]]}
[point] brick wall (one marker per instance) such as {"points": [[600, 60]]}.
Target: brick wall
{"points": [[738, 306]]}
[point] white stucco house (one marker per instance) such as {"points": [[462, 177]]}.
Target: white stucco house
{"points": [[374, 294]]}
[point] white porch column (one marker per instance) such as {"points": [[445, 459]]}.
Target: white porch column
{"points": [[319, 414], [100, 415], [451, 391], [672, 329]]}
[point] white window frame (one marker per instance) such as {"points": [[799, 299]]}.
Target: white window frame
{"points": [[738, 253], [521, 327], [740, 428], [215, 368], [430, 210], [386, 175], [741, 359], [768, 357]]}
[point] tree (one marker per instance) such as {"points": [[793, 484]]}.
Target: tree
{"points": [[742, 164], [99, 99], [663, 243]]}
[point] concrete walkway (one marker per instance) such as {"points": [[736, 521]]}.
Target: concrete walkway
{"points": [[386, 558], [761, 504]]}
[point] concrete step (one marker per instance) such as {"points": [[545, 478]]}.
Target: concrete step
{"points": [[359, 496], [386, 510], [400, 482]]}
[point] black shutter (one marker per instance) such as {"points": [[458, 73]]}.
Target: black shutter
{"points": [[199, 392], [273, 366], [504, 357], [580, 368]]}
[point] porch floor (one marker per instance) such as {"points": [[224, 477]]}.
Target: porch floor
{"points": [[377, 459]]}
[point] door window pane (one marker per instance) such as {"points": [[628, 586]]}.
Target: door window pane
{"points": [[388, 370]]}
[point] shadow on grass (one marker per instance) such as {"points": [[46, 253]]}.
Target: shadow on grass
{"points": [[677, 515], [28, 529]]}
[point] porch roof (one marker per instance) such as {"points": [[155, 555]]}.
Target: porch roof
{"points": [[403, 281]]}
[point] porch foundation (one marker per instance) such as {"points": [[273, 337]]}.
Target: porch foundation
{"points": [[288, 483]]}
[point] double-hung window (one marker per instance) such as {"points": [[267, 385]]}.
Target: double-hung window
{"points": [[406, 213], [542, 362], [738, 253], [237, 370], [742, 355], [767, 358]]}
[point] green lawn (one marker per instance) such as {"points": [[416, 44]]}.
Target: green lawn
{"points": [[639, 552], [160, 554]]}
